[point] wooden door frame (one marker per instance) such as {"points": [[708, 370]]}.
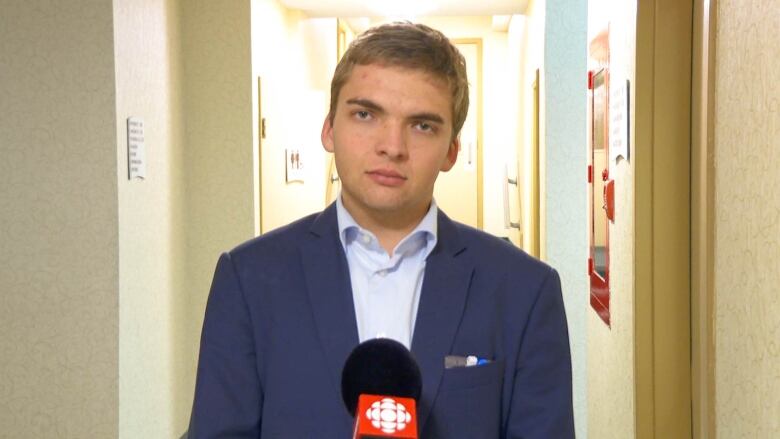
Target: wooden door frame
{"points": [[702, 220], [259, 211], [344, 36], [662, 160], [535, 227]]}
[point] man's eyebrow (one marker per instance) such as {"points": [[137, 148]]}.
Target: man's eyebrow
{"points": [[429, 117], [366, 103]]}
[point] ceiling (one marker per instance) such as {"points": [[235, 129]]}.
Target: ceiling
{"points": [[405, 8]]}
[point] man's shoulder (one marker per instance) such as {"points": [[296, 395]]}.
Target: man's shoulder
{"points": [[492, 252], [277, 242]]}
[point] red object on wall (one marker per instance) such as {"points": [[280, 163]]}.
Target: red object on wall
{"points": [[598, 50], [599, 296], [609, 199]]}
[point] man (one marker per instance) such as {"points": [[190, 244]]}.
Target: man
{"points": [[287, 308]]}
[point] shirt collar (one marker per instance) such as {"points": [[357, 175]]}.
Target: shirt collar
{"points": [[427, 229]]}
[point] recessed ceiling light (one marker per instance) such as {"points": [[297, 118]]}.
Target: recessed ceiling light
{"points": [[401, 9]]}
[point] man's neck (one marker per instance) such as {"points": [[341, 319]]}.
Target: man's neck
{"points": [[388, 227]]}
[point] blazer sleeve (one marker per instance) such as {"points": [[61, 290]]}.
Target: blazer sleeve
{"points": [[228, 395], [541, 403]]}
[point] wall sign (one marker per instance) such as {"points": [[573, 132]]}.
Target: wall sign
{"points": [[294, 165], [136, 149], [619, 119]]}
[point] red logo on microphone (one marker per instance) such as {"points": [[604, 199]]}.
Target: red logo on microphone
{"points": [[386, 416]]}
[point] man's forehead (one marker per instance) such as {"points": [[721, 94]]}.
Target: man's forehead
{"points": [[366, 81], [384, 68]]}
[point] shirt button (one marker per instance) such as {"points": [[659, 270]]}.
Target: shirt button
{"points": [[382, 273], [365, 238]]}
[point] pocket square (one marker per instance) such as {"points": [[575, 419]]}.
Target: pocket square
{"points": [[451, 361]]}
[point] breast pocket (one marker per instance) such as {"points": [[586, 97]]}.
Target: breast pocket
{"points": [[468, 404], [473, 376]]}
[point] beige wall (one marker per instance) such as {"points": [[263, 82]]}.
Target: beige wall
{"points": [[58, 221], [526, 45], [219, 158], [152, 311], [747, 219], [295, 57], [611, 408]]}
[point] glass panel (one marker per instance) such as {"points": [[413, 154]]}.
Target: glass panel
{"points": [[600, 248]]}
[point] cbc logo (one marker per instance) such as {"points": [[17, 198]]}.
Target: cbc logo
{"points": [[388, 415]]}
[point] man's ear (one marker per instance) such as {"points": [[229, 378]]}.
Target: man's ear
{"points": [[327, 134], [452, 154]]}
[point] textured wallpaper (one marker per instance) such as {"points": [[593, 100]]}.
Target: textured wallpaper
{"points": [[565, 95], [219, 158], [747, 219], [58, 221]]}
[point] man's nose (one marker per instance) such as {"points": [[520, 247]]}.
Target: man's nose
{"points": [[392, 141]]}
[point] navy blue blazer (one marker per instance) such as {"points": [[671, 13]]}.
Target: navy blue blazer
{"points": [[280, 324]]}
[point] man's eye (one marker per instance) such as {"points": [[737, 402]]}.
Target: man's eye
{"points": [[362, 115], [424, 126]]}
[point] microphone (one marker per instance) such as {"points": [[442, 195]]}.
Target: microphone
{"points": [[380, 385]]}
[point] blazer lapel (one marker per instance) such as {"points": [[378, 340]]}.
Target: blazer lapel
{"points": [[330, 291], [442, 300]]}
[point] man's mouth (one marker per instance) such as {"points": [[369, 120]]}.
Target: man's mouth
{"points": [[386, 177]]}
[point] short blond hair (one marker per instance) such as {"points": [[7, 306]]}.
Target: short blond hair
{"points": [[413, 46]]}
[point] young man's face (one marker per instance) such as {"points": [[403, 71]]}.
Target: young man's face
{"points": [[391, 135]]}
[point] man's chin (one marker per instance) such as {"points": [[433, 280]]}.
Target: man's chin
{"points": [[385, 204], [387, 207], [399, 209]]}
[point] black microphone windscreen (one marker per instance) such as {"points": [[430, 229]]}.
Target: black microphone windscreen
{"points": [[381, 366]]}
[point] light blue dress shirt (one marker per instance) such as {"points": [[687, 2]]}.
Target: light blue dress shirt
{"points": [[386, 289]]}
